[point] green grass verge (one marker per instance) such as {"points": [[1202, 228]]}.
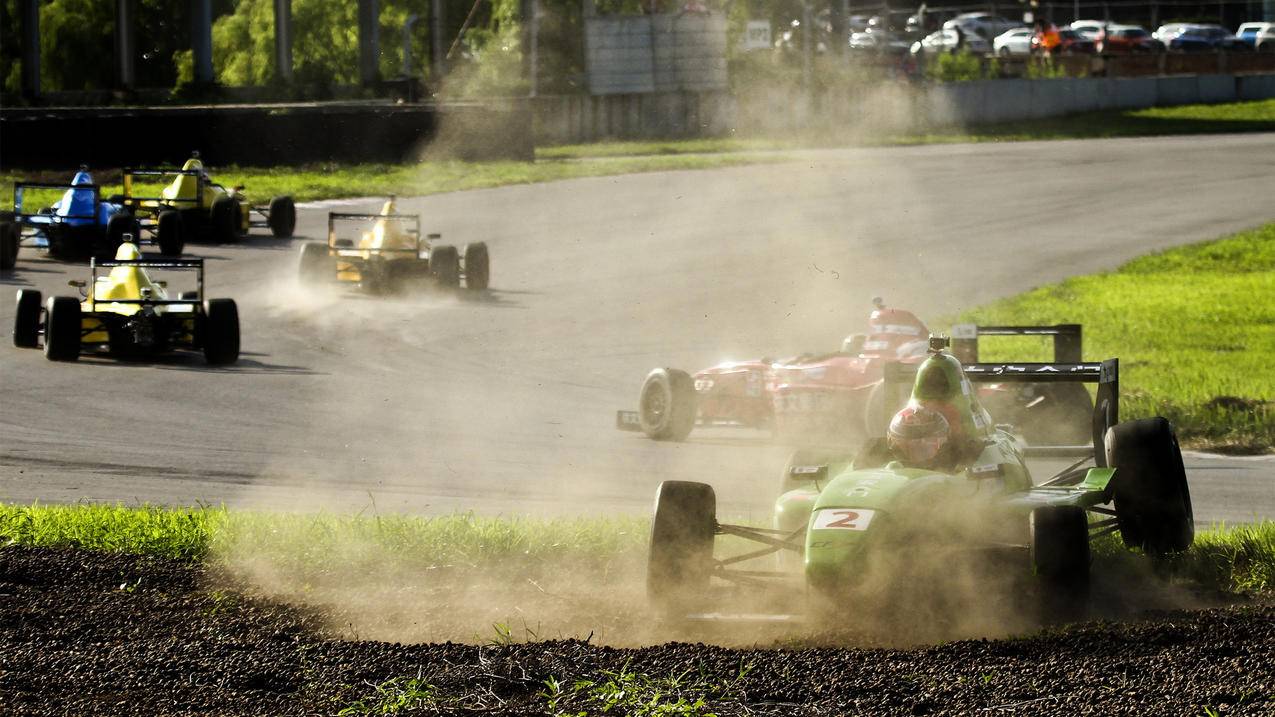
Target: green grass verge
{"points": [[333, 181], [1193, 328], [1226, 558]]}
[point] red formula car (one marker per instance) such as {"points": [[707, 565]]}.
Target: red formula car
{"points": [[837, 397], [820, 396]]}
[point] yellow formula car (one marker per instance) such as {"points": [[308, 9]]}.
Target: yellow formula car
{"points": [[126, 313], [390, 255], [198, 208]]}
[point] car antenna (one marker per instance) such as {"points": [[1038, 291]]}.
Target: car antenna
{"points": [[938, 343]]}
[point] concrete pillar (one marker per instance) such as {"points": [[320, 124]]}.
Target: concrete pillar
{"points": [[201, 40], [369, 41], [283, 40], [1268, 10], [30, 13], [437, 39], [125, 44]]}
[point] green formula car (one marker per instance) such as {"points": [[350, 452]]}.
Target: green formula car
{"points": [[944, 476]]}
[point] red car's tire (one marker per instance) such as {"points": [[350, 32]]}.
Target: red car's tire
{"points": [[667, 405]]}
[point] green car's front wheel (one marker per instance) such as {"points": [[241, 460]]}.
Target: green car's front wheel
{"points": [[680, 559]]}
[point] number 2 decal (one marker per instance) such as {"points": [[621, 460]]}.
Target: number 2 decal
{"points": [[847, 519], [843, 519]]}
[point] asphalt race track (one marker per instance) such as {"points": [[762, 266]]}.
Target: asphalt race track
{"points": [[504, 402]]}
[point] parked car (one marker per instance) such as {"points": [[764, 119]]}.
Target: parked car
{"points": [[1203, 38], [1070, 42], [879, 41], [1090, 29], [1258, 35], [988, 26], [950, 42], [1013, 42], [1127, 38]]}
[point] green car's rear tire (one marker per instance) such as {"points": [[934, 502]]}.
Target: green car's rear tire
{"points": [[282, 217], [169, 233], [1153, 503], [226, 218], [444, 265], [62, 329], [314, 265], [220, 331], [10, 235], [1059, 545], [477, 266], [667, 405], [26, 319], [680, 557]]}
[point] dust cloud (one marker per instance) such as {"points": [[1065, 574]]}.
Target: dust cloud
{"points": [[419, 405]]}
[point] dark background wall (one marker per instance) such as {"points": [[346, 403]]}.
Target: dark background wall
{"points": [[53, 138]]}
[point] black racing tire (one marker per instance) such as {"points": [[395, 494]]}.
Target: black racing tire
{"points": [[667, 405], [680, 552], [1059, 546], [26, 319], [118, 227], [1153, 502], [282, 217], [169, 233], [314, 265], [444, 265], [10, 235], [220, 337], [477, 266], [62, 329], [226, 218]]}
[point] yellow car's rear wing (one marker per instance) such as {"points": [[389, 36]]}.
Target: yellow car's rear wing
{"points": [[195, 265], [196, 176], [411, 226]]}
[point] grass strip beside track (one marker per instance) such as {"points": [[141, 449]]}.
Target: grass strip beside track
{"points": [[1192, 327], [334, 181], [1226, 558]]}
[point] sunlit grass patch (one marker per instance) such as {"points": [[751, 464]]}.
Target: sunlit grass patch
{"points": [[1193, 327]]}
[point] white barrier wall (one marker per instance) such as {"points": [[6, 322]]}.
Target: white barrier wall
{"points": [[581, 118]]}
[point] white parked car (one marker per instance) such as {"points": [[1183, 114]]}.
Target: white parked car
{"points": [[1089, 29], [1258, 35], [947, 41], [1013, 42], [981, 23]]}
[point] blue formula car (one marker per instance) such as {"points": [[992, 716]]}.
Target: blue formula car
{"points": [[78, 226]]}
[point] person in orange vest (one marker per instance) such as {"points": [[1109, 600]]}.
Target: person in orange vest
{"points": [[1048, 38]]}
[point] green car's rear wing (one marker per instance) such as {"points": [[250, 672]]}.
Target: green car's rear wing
{"points": [[899, 378], [412, 227], [1067, 340]]}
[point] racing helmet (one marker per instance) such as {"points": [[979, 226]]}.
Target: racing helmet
{"points": [[127, 252], [917, 435]]}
